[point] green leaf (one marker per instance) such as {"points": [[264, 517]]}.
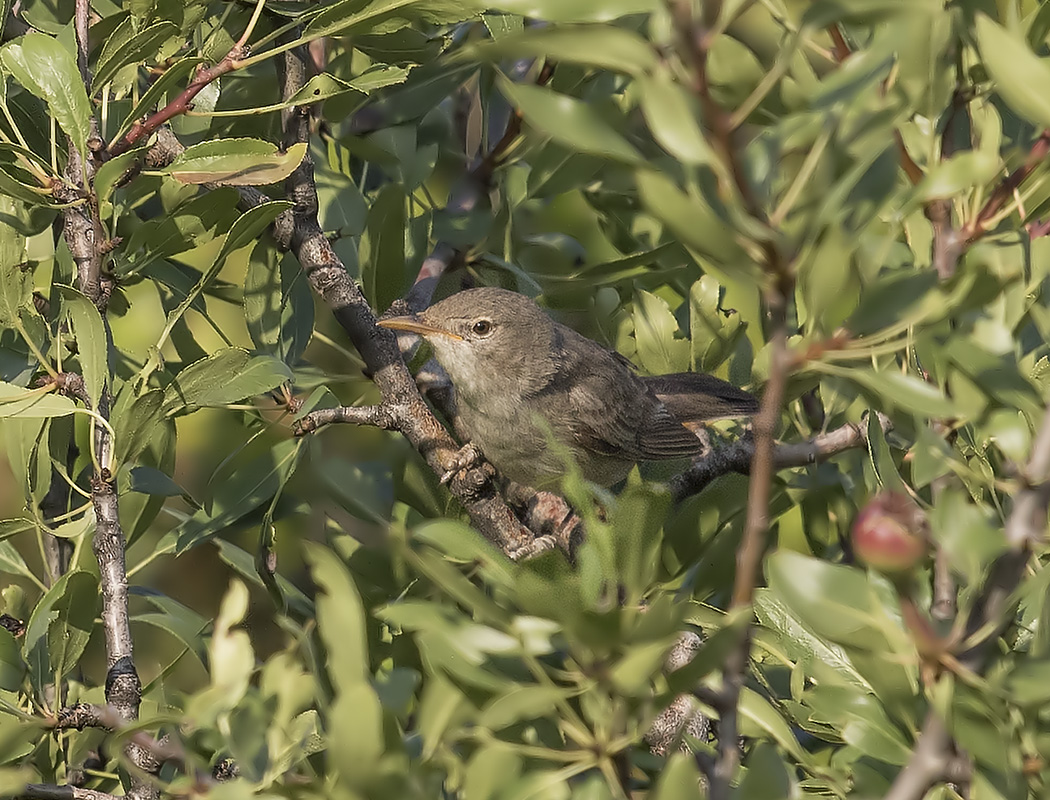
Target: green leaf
{"points": [[15, 526], [382, 248], [659, 350], [134, 421], [278, 304], [672, 117], [11, 561], [347, 15], [149, 480], [568, 121], [228, 376], [827, 663], [679, 779], [862, 720], [835, 601], [126, 46], [1021, 77], [1029, 682], [250, 225], [959, 172], [74, 528], [758, 716], [111, 173], [49, 70], [37, 639], [244, 232], [32, 403], [340, 619], [244, 489], [521, 703], [905, 391], [573, 10], [968, 534], [12, 667], [70, 629], [235, 162], [230, 654], [600, 46], [180, 622], [490, 769], [92, 344], [13, 290], [767, 777], [243, 563], [355, 734], [691, 219]]}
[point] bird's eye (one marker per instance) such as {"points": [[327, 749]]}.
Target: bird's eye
{"points": [[482, 327]]}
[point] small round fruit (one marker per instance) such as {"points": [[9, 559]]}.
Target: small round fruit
{"points": [[890, 534]]}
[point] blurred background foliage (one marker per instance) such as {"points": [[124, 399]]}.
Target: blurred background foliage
{"points": [[397, 654]]}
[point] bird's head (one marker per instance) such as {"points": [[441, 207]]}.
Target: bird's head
{"points": [[486, 338]]}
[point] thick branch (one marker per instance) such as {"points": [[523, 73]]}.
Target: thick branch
{"points": [[85, 237], [378, 347], [105, 717], [47, 791]]}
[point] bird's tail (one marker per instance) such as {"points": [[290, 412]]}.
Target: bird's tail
{"points": [[694, 397]]}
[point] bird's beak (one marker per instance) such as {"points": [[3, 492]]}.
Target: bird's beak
{"points": [[414, 324]]}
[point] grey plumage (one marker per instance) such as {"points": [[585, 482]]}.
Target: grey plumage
{"points": [[516, 371]]}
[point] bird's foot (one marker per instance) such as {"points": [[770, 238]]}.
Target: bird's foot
{"points": [[467, 457], [541, 544]]}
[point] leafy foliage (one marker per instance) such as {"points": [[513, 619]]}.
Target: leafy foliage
{"points": [[394, 652]]}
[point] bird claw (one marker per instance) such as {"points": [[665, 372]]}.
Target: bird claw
{"points": [[466, 458], [541, 544]]}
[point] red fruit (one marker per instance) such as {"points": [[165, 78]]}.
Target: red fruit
{"points": [[890, 534]]}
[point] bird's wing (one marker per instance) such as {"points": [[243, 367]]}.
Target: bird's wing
{"points": [[696, 397], [613, 411]]}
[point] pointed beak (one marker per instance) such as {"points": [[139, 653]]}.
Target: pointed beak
{"points": [[414, 324]]}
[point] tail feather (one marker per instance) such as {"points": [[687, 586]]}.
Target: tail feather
{"points": [[695, 397]]}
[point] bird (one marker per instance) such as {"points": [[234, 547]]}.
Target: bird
{"points": [[520, 378]]}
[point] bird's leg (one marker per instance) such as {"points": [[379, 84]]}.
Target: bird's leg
{"points": [[467, 457], [541, 544]]}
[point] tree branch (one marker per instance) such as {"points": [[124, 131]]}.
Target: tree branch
{"points": [[738, 456], [47, 791], [696, 38], [990, 616], [381, 416], [85, 236], [377, 346], [184, 101]]}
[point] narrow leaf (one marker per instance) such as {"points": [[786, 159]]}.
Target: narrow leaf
{"points": [[235, 162], [48, 70]]}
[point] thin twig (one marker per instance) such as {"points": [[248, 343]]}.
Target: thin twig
{"points": [[696, 38], [381, 416], [978, 226], [990, 615], [184, 101], [737, 457]]}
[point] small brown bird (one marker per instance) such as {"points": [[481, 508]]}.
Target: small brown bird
{"points": [[516, 372]]}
